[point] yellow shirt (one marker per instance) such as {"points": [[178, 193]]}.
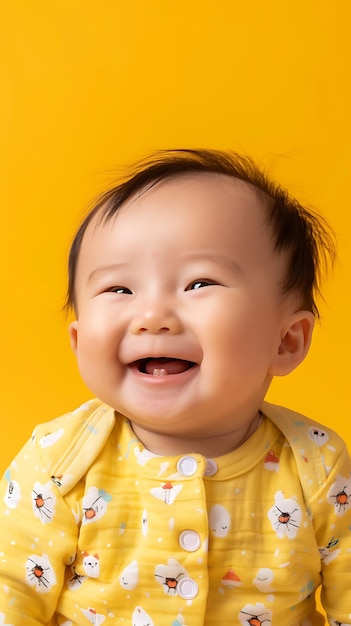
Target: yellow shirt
{"points": [[97, 530]]}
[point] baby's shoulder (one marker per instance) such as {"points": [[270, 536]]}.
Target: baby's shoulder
{"points": [[48, 433], [300, 428], [317, 449], [68, 445]]}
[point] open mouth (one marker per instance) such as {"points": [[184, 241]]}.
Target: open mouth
{"points": [[163, 366]]}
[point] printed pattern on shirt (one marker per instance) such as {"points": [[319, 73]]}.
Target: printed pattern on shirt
{"points": [[96, 529]]}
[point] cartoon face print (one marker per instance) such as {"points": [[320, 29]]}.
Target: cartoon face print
{"points": [[95, 504], [94, 618], [255, 615], [13, 492], [320, 437], [285, 516], [91, 564], [50, 439], [169, 576], [43, 502], [339, 495], [219, 520], [130, 576], [39, 573], [263, 580], [141, 618]]}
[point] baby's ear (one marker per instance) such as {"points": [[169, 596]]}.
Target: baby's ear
{"points": [[73, 335], [295, 340]]}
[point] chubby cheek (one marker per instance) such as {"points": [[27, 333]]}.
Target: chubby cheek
{"points": [[98, 366], [96, 326], [238, 345], [95, 342]]}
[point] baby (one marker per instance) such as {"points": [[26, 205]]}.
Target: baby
{"points": [[179, 497]]}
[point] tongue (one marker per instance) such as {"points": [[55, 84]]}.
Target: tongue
{"points": [[163, 367]]}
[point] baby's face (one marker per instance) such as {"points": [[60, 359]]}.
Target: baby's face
{"points": [[180, 316]]}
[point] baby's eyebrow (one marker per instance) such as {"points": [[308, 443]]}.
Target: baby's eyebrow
{"points": [[106, 268], [214, 258]]}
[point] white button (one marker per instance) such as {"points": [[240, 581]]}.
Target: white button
{"points": [[187, 466], [187, 588], [211, 467], [189, 540]]}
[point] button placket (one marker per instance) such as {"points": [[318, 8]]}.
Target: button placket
{"points": [[211, 467], [187, 466], [189, 540], [187, 588]]}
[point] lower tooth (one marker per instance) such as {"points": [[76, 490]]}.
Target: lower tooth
{"points": [[159, 371]]}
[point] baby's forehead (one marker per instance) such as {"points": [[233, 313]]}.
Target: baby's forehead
{"points": [[200, 210], [182, 187]]}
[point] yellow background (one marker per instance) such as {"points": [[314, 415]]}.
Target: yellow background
{"points": [[88, 86]]}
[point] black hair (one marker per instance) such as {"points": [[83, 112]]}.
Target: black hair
{"points": [[300, 232]]}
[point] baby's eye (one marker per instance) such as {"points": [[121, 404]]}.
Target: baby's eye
{"points": [[120, 290], [198, 284]]}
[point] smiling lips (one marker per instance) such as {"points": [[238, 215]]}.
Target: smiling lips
{"points": [[163, 366]]}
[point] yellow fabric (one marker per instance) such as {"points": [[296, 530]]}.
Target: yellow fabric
{"points": [[92, 528]]}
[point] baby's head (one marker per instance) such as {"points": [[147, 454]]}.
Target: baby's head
{"points": [[300, 233], [194, 283]]}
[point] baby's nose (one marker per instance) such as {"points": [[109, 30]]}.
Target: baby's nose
{"points": [[156, 321]]}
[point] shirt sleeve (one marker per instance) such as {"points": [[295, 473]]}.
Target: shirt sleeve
{"points": [[331, 509], [38, 538]]}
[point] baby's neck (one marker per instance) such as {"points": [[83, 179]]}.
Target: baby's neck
{"points": [[209, 447]]}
